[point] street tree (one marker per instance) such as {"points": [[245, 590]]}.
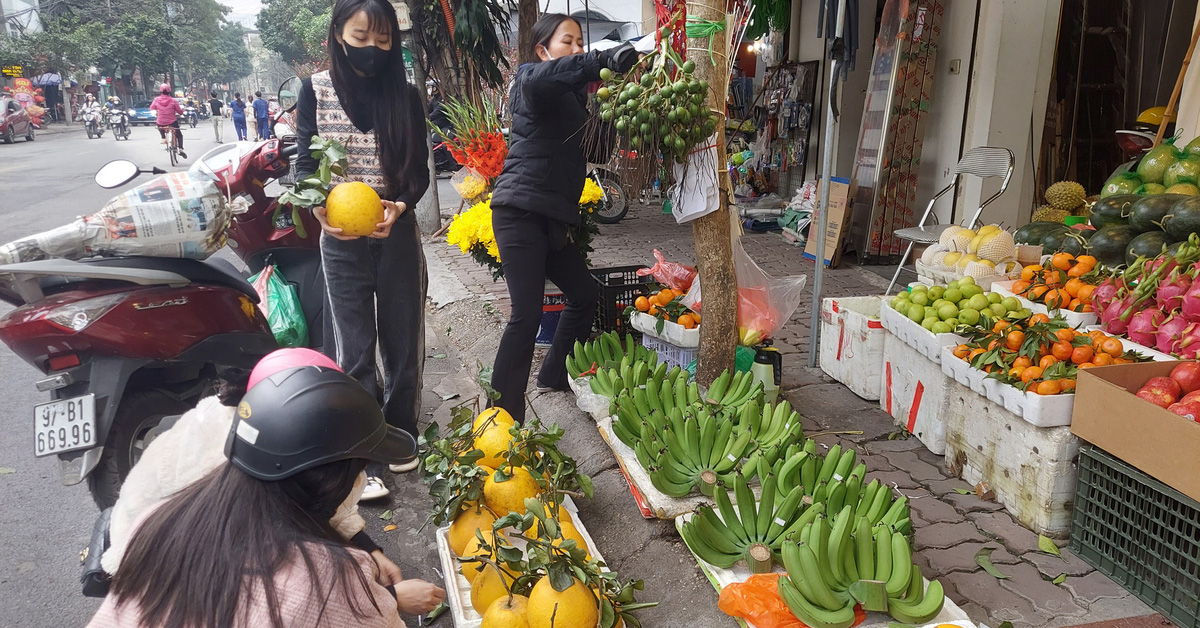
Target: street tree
{"points": [[296, 29]]}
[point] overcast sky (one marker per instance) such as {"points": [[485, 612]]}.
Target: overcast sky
{"points": [[243, 11]]}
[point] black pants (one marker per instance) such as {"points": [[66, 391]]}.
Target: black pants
{"points": [[376, 291], [532, 249], [162, 132]]}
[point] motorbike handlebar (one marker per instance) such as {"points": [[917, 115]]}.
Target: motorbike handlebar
{"points": [[289, 150]]}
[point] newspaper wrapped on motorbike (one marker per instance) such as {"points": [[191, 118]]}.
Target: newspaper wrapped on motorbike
{"points": [[182, 214]]}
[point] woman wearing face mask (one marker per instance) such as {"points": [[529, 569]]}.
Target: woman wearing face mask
{"points": [[375, 285], [536, 198], [256, 541]]}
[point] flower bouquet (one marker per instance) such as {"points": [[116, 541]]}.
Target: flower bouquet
{"points": [[478, 143]]}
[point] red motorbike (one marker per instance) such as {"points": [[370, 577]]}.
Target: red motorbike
{"points": [[129, 343]]}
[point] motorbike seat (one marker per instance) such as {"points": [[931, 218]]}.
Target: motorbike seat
{"points": [[213, 272]]}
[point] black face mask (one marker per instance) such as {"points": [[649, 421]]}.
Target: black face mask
{"points": [[366, 59]]}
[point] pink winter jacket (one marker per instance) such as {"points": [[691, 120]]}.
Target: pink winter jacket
{"points": [[297, 605], [168, 109]]}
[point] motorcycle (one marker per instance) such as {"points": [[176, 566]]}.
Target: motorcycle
{"points": [[190, 114], [128, 344], [93, 121], [615, 203], [118, 121]]}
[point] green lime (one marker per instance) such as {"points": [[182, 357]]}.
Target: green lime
{"points": [[916, 313], [1011, 304], [994, 297], [968, 316]]}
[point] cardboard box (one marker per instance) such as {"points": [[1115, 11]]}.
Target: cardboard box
{"points": [[839, 202], [1108, 414]]}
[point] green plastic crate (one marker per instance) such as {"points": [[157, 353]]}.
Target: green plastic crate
{"points": [[1140, 532]]}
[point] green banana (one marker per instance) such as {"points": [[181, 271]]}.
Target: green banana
{"points": [[668, 488], [766, 508], [808, 473], [883, 553], [717, 390], [864, 549], [866, 498], [813, 574], [845, 464], [830, 463], [706, 552], [717, 536], [720, 445], [729, 516], [750, 465], [899, 507], [921, 612], [693, 392], [883, 498], [708, 435], [746, 508], [897, 583], [784, 515], [916, 586], [838, 537], [836, 496], [733, 453], [810, 614]]}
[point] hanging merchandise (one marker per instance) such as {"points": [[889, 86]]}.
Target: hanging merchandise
{"points": [[696, 194]]}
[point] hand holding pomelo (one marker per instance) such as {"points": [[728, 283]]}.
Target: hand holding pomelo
{"points": [[354, 208]]}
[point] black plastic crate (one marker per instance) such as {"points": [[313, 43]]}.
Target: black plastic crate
{"points": [[619, 286], [1142, 533]]}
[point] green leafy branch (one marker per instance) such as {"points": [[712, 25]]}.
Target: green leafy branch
{"points": [[312, 190]]}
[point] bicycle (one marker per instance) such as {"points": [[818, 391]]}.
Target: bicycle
{"points": [[172, 143]]}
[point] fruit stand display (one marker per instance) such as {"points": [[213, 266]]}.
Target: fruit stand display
{"points": [[986, 255]]}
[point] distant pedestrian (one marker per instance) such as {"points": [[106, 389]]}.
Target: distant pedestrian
{"points": [[237, 107], [215, 105], [262, 116]]}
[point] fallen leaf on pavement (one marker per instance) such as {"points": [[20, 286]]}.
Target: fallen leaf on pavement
{"points": [[386, 516], [1062, 577], [985, 492], [7, 470], [962, 491], [1047, 546], [389, 528], [983, 558]]}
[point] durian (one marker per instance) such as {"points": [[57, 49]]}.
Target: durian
{"points": [[1066, 195], [1050, 214]]}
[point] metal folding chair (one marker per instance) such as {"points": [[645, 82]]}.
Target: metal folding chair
{"points": [[982, 161]]}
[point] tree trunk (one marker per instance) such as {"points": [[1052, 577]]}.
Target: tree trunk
{"points": [[527, 13], [428, 209], [712, 233]]}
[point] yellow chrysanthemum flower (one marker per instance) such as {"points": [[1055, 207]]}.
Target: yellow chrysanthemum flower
{"points": [[591, 192]]}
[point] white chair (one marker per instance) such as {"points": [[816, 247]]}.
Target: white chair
{"points": [[982, 161]]}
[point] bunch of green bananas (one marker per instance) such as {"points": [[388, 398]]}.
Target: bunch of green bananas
{"points": [[630, 375], [833, 568], [772, 431], [608, 350], [752, 533], [660, 395], [733, 390]]}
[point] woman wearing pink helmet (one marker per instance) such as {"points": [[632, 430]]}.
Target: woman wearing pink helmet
{"points": [[168, 111]]}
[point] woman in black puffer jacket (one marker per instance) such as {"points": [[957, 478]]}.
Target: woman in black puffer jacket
{"points": [[536, 199]]}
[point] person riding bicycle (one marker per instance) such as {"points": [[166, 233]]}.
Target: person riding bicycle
{"points": [[168, 111]]}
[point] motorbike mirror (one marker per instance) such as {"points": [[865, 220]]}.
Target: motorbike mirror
{"points": [[289, 93], [116, 173]]}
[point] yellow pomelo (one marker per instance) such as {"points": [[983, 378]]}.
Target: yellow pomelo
{"points": [[507, 612], [569, 532], [462, 531], [470, 570], [354, 208], [488, 586], [563, 516], [509, 496], [493, 442], [574, 608], [499, 416]]}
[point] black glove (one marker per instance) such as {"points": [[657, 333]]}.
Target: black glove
{"points": [[621, 58]]}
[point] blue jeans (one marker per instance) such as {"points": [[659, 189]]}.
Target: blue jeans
{"points": [[239, 124], [264, 128]]}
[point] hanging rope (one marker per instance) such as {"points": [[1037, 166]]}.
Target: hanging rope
{"points": [[698, 29]]}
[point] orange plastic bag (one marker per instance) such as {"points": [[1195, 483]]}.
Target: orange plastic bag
{"points": [[757, 601]]}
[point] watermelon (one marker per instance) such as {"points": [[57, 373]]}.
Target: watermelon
{"points": [[1146, 214], [1184, 218], [1052, 242], [1110, 242], [1149, 244], [1076, 242], [1033, 232], [1112, 210]]}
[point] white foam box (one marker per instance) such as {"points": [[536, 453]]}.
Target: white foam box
{"points": [[1031, 469], [740, 572], [1074, 319], [928, 343], [852, 343], [1150, 352], [962, 372], [673, 333], [458, 589], [915, 392], [1038, 410]]}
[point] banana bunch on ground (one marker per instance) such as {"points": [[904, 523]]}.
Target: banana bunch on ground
{"points": [[733, 391], [752, 533], [831, 568], [631, 375], [608, 350], [776, 431]]}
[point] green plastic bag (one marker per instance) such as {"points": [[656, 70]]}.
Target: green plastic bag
{"points": [[281, 305]]}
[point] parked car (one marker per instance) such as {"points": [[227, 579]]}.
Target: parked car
{"points": [[141, 114], [14, 121]]}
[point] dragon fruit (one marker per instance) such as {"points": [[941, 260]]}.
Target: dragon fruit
{"points": [[1170, 333], [1110, 317], [1190, 304], [1144, 325], [1189, 344], [1106, 292], [1172, 289]]}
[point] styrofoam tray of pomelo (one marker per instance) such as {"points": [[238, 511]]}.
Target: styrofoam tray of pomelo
{"points": [[1150, 352], [1074, 319], [673, 333], [660, 504], [962, 372], [598, 406], [913, 335], [740, 572], [458, 589]]}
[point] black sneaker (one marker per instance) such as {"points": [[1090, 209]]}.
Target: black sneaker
{"points": [[182, 154]]}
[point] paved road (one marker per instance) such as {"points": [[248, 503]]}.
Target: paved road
{"points": [[46, 184]]}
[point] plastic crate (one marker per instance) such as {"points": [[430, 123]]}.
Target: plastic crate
{"points": [[1140, 532], [673, 355], [619, 286]]}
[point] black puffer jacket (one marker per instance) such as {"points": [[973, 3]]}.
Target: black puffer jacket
{"points": [[545, 167]]}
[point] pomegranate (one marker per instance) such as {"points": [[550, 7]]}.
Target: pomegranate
{"points": [[1158, 397], [1165, 384], [1170, 333], [1187, 375], [1143, 326]]}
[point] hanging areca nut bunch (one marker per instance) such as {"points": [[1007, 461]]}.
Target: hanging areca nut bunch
{"points": [[658, 104]]}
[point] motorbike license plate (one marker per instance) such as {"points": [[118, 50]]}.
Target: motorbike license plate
{"points": [[64, 425]]}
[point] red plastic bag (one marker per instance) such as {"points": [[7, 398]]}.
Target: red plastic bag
{"points": [[671, 274], [757, 601]]}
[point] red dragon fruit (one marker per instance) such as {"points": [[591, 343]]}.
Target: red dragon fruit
{"points": [[1144, 325], [1110, 317], [1171, 290], [1170, 333], [1154, 264], [1189, 344], [1190, 304], [1106, 292]]}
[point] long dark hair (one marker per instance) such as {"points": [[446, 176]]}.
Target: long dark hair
{"points": [[399, 129], [543, 32], [197, 560]]}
